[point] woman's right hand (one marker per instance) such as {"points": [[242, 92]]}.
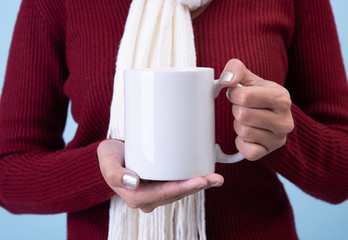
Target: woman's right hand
{"points": [[140, 194]]}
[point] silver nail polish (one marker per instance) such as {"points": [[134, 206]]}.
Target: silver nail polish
{"points": [[227, 95], [199, 187], [130, 180], [226, 76], [216, 185]]}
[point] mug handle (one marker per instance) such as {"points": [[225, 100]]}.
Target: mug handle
{"points": [[221, 157]]}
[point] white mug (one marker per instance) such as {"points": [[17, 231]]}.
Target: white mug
{"points": [[170, 123]]}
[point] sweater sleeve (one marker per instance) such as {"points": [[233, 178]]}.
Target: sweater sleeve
{"points": [[315, 157], [37, 175]]}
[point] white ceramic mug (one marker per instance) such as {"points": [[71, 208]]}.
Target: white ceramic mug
{"points": [[170, 123]]}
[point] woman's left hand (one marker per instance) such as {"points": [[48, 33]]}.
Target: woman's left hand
{"points": [[261, 109]]}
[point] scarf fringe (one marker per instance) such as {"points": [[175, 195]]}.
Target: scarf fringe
{"points": [[172, 221]]}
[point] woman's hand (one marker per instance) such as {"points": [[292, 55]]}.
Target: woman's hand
{"points": [[261, 109], [145, 195]]}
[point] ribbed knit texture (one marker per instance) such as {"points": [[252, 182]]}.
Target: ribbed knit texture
{"points": [[66, 50]]}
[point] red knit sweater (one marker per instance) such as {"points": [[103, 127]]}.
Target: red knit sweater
{"points": [[65, 51]]}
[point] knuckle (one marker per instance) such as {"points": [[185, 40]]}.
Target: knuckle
{"points": [[238, 67], [285, 104], [111, 177], [286, 127], [245, 98], [168, 196], [283, 99], [165, 196], [252, 154], [244, 132], [237, 63], [241, 115]]}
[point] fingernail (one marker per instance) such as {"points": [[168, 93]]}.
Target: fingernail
{"points": [[199, 187], [226, 76], [227, 94], [130, 180], [216, 185]]}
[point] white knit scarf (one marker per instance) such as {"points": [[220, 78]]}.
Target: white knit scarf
{"points": [[158, 33]]}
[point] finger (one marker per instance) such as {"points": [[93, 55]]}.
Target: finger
{"points": [[213, 180], [251, 151], [260, 136], [111, 162], [118, 176], [276, 99], [240, 75], [258, 118], [278, 124], [159, 193], [154, 192]]}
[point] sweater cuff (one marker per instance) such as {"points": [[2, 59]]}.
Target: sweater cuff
{"points": [[90, 187]]}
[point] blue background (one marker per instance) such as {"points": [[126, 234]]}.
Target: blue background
{"points": [[314, 219]]}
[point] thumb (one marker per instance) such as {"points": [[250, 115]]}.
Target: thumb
{"points": [[111, 163], [235, 72]]}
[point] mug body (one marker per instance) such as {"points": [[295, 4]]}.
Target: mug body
{"points": [[169, 123]]}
